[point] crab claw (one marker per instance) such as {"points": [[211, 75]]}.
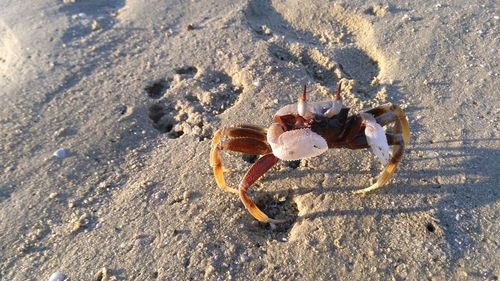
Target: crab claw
{"points": [[375, 136], [295, 144]]}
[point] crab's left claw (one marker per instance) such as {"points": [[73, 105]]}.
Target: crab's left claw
{"points": [[378, 142], [376, 138]]}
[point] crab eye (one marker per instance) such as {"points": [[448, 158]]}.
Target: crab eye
{"points": [[302, 106]]}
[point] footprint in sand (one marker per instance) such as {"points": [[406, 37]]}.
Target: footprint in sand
{"points": [[189, 99]]}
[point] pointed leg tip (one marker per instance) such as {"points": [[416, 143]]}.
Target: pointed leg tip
{"points": [[364, 191], [361, 193]]}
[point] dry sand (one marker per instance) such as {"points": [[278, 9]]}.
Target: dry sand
{"points": [[132, 91]]}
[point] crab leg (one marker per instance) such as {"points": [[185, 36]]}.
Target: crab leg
{"points": [[259, 168], [386, 118], [245, 138], [400, 127], [253, 127], [245, 145]]}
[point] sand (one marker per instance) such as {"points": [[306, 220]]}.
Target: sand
{"points": [[129, 94]]}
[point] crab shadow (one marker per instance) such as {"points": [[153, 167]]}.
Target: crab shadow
{"points": [[473, 161]]}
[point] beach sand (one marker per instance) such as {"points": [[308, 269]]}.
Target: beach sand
{"points": [[108, 108]]}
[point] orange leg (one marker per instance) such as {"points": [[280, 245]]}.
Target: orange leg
{"points": [[245, 145], [244, 138], [239, 132], [253, 127], [258, 169], [401, 130]]}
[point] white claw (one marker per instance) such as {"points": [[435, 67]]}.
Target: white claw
{"points": [[375, 135], [295, 144]]}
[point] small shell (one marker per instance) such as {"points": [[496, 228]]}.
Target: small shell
{"points": [[298, 144], [57, 276], [60, 153]]}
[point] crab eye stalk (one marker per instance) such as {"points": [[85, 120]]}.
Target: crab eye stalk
{"points": [[337, 103], [339, 89], [302, 103]]}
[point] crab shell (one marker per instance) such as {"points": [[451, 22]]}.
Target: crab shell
{"points": [[304, 143]]}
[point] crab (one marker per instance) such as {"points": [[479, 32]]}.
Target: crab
{"points": [[308, 129]]}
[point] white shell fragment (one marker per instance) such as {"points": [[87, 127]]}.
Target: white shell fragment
{"points": [[375, 135], [296, 144], [60, 153], [57, 276]]}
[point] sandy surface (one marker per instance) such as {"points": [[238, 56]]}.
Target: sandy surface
{"points": [[133, 91]]}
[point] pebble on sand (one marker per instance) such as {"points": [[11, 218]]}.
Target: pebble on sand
{"points": [[60, 153], [186, 195], [102, 274], [57, 276], [265, 30], [160, 195], [96, 26]]}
